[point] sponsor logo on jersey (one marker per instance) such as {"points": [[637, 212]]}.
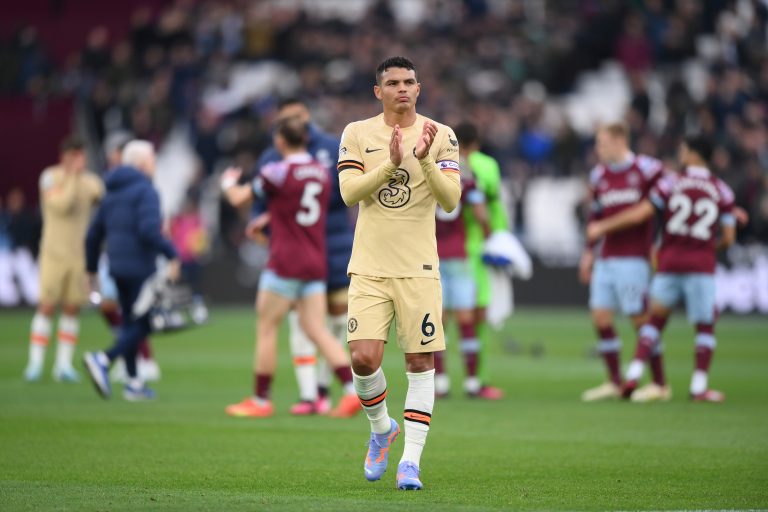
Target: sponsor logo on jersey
{"points": [[396, 193], [620, 197], [369, 150], [342, 151]]}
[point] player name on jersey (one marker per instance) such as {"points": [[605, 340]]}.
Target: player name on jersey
{"points": [[692, 202]]}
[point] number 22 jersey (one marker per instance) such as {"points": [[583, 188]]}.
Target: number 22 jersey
{"points": [[298, 189], [691, 202], [395, 231]]}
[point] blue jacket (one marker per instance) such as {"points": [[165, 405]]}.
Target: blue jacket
{"points": [[325, 149], [129, 220]]}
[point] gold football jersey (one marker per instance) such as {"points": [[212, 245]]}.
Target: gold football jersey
{"points": [[67, 201], [395, 232]]}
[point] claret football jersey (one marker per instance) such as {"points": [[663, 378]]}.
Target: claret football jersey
{"points": [[617, 188], [298, 188], [693, 203], [450, 228], [395, 231]]}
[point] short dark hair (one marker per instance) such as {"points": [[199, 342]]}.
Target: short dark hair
{"points": [[700, 145], [393, 62], [291, 100], [467, 134], [293, 131], [72, 143]]}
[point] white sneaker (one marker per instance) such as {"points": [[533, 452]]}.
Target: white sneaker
{"points": [[605, 391], [147, 369], [652, 393], [65, 374], [33, 372]]}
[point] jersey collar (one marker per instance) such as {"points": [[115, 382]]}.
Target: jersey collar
{"points": [[695, 170], [298, 158], [623, 165]]}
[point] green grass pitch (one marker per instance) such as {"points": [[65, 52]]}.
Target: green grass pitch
{"points": [[63, 448]]}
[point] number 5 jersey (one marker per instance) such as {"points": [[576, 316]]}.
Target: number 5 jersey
{"points": [[692, 202], [298, 191]]}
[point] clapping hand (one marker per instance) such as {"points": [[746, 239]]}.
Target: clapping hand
{"points": [[428, 134], [396, 151]]}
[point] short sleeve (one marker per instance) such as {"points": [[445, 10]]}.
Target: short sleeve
{"points": [[727, 203], [594, 178], [257, 187], [652, 169], [659, 194], [270, 179], [350, 156]]}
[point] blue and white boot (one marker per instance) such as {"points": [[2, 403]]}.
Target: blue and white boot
{"points": [[136, 391], [378, 452], [97, 365], [408, 477]]}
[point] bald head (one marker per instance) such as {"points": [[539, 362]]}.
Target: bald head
{"points": [[141, 155]]}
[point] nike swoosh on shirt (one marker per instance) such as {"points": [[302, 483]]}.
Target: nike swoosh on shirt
{"points": [[428, 341], [372, 150]]}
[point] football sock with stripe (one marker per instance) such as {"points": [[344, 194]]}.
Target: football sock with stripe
{"points": [[38, 339], [609, 347], [470, 349], [304, 359], [657, 365], [372, 392], [418, 413], [69, 329], [705, 347], [648, 339]]}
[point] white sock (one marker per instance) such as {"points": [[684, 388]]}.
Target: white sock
{"points": [[472, 385], [69, 329], [338, 327], [372, 391], [699, 382], [418, 413], [635, 370], [442, 383], [304, 359], [39, 338], [135, 382]]}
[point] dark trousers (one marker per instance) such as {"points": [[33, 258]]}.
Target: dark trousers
{"points": [[134, 329]]}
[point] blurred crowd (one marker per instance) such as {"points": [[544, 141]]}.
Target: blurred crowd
{"points": [[215, 69]]}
